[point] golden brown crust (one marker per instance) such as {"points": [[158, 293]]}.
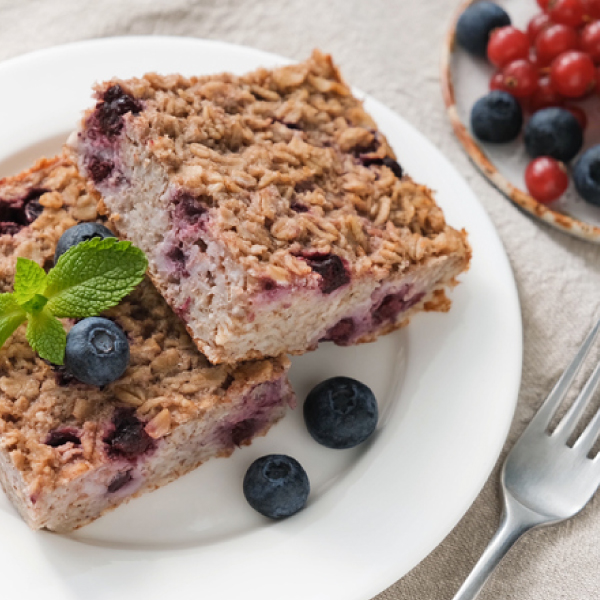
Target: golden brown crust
{"points": [[288, 160]]}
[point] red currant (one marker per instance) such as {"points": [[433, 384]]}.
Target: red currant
{"points": [[578, 113], [533, 59], [591, 8], [566, 12], [537, 25], [497, 82], [506, 45], [543, 4], [520, 78], [546, 179], [555, 40], [545, 96], [590, 40], [573, 74]]}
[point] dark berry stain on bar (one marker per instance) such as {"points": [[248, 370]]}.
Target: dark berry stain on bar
{"points": [[61, 436], [331, 269], [116, 102], [128, 438], [118, 481], [20, 212]]}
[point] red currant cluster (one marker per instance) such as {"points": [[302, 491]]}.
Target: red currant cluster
{"points": [[551, 64]]}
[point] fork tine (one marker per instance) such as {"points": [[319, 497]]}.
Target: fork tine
{"points": [[586, 440], [571, 418], [559, 391]]}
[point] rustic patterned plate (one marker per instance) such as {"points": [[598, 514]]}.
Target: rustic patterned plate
{"points": [[464, 80]]}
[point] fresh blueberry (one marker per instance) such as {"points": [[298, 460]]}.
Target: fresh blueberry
{"points": [[276, 486], [80, 233], [553, 132], [475, 25], [586, 175], [496, 118], [340, 412], [97, 351]]}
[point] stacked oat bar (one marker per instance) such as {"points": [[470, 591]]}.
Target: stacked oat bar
{"points": [[71, 451]]}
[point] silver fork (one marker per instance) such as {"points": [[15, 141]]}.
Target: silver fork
{"points": [[544, 481]]}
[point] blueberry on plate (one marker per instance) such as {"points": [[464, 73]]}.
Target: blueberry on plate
{"points": [[553, 132], [80, 233], [586, 175], [496, 118], [97, 351], [340, 412], [475, 25], [276, 486]]}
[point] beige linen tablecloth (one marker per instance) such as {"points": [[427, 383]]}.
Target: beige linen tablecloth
{"points": [[390, 49]]}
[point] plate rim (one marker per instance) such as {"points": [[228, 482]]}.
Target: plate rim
{"points": [[391, 573], [562, 222]]}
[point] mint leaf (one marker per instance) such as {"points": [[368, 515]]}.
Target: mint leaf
{"points": [[47, 336], [30, 279], [11, 316], [93, 276], [35, 305]]}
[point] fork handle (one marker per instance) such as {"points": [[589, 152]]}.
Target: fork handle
{"points": [[516, 520]]}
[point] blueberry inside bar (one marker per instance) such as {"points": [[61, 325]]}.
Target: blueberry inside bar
{"points": [[71, 451], [273, 212]]}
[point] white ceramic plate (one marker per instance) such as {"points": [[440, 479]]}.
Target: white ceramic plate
{"points": [[447, 388], [465, 79]]}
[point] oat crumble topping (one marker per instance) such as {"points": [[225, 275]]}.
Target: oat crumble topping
{"points": [[288, 161], [43, 411]]}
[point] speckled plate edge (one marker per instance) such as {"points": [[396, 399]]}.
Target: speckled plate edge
{"points": [[565, 223]]}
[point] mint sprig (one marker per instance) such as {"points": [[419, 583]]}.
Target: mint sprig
{"points": [[89, 278]]}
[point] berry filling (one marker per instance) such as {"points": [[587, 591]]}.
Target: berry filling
{"points": [[18, 213], [268, 285], [99, 168], [128, 438], [115, 103], [307, 185], [384, 308], [177, 260], [63, 377], [244, 431], [189, 208], [393, 304], [298, 207], [182, 311], [332, 270], [386, 161], [342, 332], [119, 480], [365, 150], [258, 404], [62, 436]]}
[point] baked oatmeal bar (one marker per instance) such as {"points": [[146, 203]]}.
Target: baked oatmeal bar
{"points": [[273, 212], [71, 451]]}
